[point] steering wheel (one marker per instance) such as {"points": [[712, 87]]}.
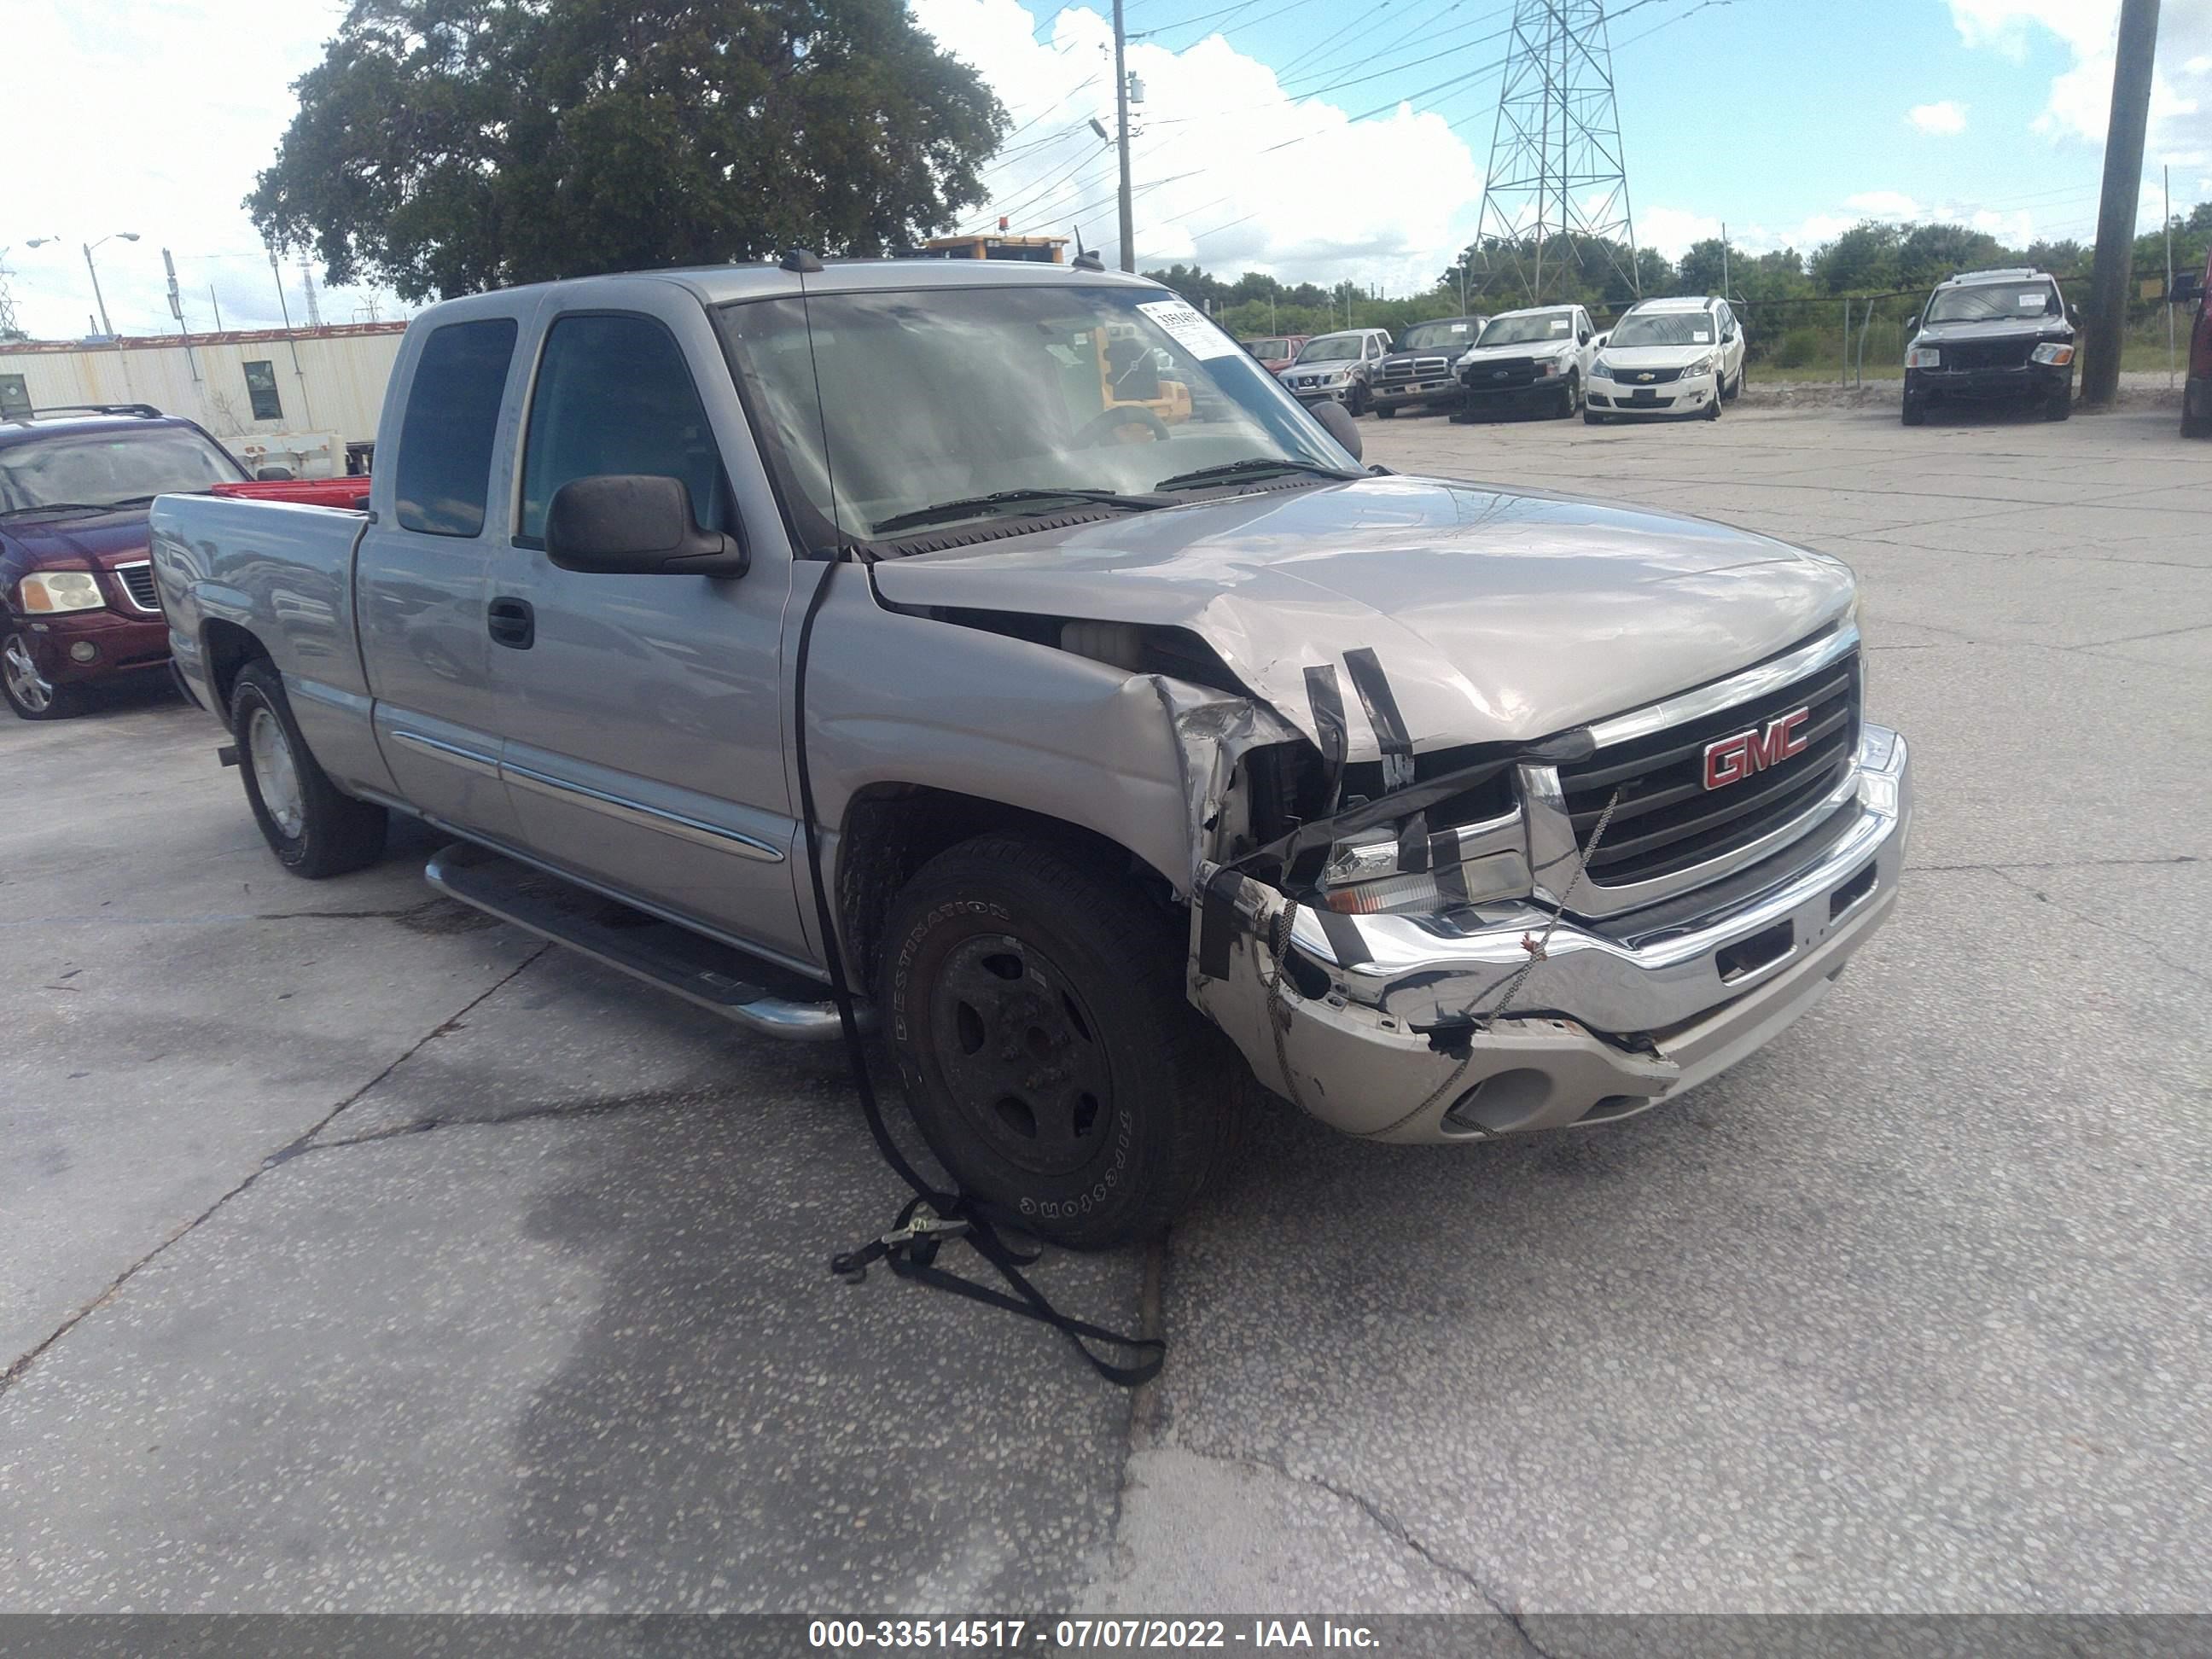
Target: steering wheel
{"points": [[1094, 430]]}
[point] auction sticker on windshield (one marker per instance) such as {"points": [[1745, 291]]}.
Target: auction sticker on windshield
{"points": [[1189, 329]]}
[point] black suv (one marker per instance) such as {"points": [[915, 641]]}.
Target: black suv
{"points": [[1991, 336]]}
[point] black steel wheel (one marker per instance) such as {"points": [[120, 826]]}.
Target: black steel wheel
{"points": [[1035, 1006]]}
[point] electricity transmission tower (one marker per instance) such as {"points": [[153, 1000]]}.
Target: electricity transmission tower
{"points": [[8, 329], [1556, 164]]}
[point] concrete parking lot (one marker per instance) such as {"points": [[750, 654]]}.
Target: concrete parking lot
{"points": [[356, 1254]]}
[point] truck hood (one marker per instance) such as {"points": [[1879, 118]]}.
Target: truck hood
{"points": [[1498, 616], [77, 540], [1492, 353]]}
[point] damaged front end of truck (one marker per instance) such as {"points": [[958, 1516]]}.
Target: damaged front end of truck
{"points": [[1412, 947], [1462, 857]]}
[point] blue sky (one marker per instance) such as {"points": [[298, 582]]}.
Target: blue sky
{"points": [[1789, 120]]}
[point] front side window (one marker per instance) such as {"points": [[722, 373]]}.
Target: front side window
{"points": [[261, 390], [110, 468], [614, 395], [930, 401], [444, 475]]}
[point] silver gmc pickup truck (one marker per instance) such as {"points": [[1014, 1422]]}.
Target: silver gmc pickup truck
{"points": [[1154, 747]]}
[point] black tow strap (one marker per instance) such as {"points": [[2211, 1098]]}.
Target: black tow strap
{"points": [[930, 1217]]}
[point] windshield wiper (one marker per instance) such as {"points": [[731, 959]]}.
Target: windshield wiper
{"points": [[58, 506], [1249, 469], [971, 506]]}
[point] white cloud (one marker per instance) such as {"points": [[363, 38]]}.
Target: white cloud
{"points": [[1232, 172], [1672, 230], [173, 171], [1942, 120], [1884, 204], [2079, 104]]}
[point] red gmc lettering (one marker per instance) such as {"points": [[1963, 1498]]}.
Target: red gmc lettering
{"points": [[1731, 760]]}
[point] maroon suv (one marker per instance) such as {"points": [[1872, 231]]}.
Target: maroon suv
{"points": [[77, 581]]}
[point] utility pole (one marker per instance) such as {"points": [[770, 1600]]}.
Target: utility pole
{"points": [[216, 306], [1724, 274], [1122, 134], [2166, 218], [284, 306], [8, 329], [2116, 214], [177, 311]]}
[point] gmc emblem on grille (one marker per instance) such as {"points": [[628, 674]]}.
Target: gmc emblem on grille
{"points": [[1731, 760]]}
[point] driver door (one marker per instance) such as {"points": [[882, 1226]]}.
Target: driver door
{"points": [[642, 713]]}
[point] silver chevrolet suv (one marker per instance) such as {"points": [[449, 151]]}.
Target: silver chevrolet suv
{"points": [[1146, 746]]}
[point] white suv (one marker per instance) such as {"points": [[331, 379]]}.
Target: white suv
{"points": [[1667, 357]]}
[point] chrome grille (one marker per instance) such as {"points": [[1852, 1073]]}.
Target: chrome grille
{"points": [[138, 584], [1647, 376], [1416, 368], [1670, 833]]}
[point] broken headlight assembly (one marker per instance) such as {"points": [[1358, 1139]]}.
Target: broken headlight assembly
{"points": [[1386, 871]]}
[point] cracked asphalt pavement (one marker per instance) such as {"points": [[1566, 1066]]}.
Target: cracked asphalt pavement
{"points": [[359, 1254]]}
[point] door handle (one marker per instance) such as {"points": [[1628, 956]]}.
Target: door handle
{"points": [[512, 622]]}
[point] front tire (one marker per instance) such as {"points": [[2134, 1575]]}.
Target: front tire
{"points": [[1035, 1008], [1713, 409], [1385, 411], [313, 829], [2061, 404], [1570, 398], [1914, 411], [30, 692], [1591, 418]]}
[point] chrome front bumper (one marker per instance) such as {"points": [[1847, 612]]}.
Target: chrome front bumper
{"points": [[1384, 1027]]}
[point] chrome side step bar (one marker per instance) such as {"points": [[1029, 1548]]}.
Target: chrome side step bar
{"points": [[714, 976]]}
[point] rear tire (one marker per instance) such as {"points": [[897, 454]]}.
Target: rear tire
{"points": [[313, 829], [30, 692], [1035, 1007]]}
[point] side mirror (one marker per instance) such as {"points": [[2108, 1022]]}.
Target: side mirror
{"points": [[1600, 342], [273, 473], [2188, 288], [1583, 339], [636, 525], [1339, 425], [1912, 323]]}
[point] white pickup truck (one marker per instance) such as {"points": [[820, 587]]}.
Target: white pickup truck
{"points": [[1150, 745]]}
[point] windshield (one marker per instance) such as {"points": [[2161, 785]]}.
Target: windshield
{"points": [[1435, 336], [1536, 327], [911, 401], [1271, 351], [1332, 348], [1985, 302], [114, 467], [1663, 328]]}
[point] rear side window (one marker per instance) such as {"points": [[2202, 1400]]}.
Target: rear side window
{"points": [[614, 395], [444, 474]]}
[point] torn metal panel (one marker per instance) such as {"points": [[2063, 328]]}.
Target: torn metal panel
{"points": [[1500, 618], [1368, 1073]]}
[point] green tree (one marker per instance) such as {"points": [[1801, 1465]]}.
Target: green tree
{"points": [[1863, 259], [1929, 254], [447, 146]]}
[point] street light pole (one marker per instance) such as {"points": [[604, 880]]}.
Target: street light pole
{"points": [[92, 270]]}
